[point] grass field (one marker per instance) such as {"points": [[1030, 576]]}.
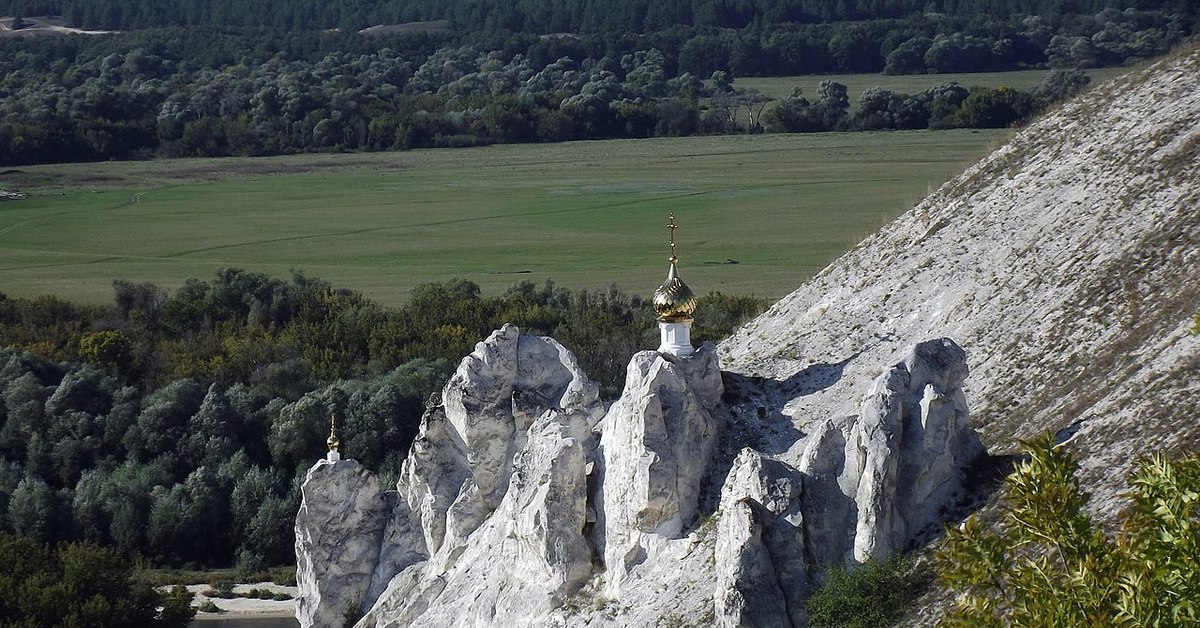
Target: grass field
{"points": [[757, 214], [779, 87]]}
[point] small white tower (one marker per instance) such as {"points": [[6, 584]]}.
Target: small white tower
{"points": [[674, 302], [332, 441]]}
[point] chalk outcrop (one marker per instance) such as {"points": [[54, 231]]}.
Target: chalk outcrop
{"points": [[867, 486], [657, 441], [339, 531], [838, 432], [520, 504], [487, 520]]}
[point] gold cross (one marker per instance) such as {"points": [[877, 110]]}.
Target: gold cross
{"points": [[672, 226]]}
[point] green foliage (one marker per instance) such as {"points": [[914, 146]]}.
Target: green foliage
{"points": [[78, 585], [208, 606], [996, 107], [195, 459], [870, 595], [177, 609], [222, 587], [1047, 563]]}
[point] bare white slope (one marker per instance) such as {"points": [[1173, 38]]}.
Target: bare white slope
{"points": [[1066, 264]]}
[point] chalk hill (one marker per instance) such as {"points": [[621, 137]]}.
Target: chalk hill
{"points": [[1053, 286], [1067, 266]]}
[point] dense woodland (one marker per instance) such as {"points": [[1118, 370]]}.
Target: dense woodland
{"points": [[177, 426], [236, 86], [549, 16]]}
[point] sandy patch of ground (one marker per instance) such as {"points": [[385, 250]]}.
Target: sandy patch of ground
{"points": [[245, 605]]}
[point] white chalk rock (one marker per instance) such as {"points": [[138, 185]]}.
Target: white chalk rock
{"points": [[761, 570], [656, 445], [527, 558], [338, 531], [495, 485], [912, 443]]}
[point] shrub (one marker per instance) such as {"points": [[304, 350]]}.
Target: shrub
{"points": [[1047, 563], [208, 606], [870, 596], [221, 587], [79, 585]]}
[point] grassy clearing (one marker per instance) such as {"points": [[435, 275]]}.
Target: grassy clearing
{"points": [[779, 87], [585, 213]]}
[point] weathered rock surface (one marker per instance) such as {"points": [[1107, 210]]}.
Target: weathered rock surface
{"points": [[558, 518], [909, 448], [338, 537], [524, 560], [657, 441], [866, 487], [495, 483], [1065, 266], [762, 570]]}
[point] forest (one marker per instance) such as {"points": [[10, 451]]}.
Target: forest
{"points": [[550, 16], [214, 90], [177, 427]]}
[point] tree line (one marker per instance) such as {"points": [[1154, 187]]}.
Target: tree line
{"points": [[548, 16], [210, 93], [177, 427]]}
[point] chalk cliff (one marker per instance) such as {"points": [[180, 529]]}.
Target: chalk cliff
{"points": [[524, 502], [1051, 286]]}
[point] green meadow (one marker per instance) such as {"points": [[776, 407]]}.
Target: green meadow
{"points": [[757, 214]]}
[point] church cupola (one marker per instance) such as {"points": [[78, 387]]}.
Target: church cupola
{"points": [[674, 302]]}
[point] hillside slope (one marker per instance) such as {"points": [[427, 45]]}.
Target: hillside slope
{"points": [[1066, 264]]}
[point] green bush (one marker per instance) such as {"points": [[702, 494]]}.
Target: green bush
{"points": [[870, 596], [210, 607], [222, 588], [1046, 563], [79, 585]]}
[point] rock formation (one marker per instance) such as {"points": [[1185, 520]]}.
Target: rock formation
{"points": [[1064, 264], [657, 441], [339, 533], [518, 501]]}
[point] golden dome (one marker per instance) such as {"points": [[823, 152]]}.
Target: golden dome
{"points": [[674, 301], [332, 441]]}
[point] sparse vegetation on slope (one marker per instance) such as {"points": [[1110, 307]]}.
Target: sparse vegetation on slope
{"points": [[873, 595], [1064, 263]]}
